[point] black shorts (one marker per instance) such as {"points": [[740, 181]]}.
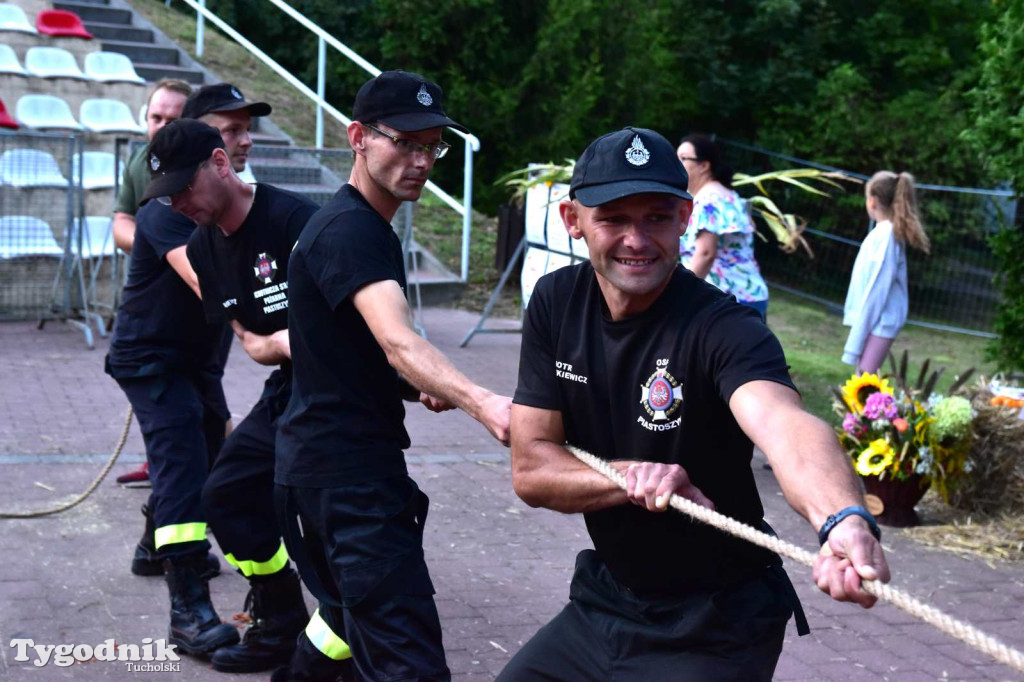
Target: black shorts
{"points": [[606, 632]]}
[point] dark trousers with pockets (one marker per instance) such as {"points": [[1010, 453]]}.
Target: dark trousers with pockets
{"points": [[238, 498], [360, 552], [606, 632], [182, 418]]}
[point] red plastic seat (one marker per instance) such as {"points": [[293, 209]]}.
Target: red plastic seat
{"points": [[57, 22], [5, 119]]}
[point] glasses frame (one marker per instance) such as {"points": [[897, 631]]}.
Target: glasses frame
{"points": [[690, 158], [438, 152], [166, 199]]}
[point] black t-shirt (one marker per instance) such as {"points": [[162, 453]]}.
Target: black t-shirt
{"points": [[655, 387], [244, 276], [160, 325], [345, 420]]}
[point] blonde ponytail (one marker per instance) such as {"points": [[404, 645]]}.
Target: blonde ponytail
{"points": [[898, 197]]}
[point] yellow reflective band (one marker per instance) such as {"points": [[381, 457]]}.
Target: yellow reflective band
{"points": [[182, 532], [268, 567], [324, 639]]}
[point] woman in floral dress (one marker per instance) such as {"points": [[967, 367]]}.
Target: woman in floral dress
{"points": [[719, 241]]}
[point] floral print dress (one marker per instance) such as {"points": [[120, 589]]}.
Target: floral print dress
{"points": [[722, 212]]}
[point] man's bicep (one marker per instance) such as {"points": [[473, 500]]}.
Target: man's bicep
{"points": [[383, 307], [533, 424], [761, 406]]}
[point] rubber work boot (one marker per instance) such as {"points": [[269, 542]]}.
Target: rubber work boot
{"points": [[195, 626], [308, 664], [145, 561], [278, 616]]}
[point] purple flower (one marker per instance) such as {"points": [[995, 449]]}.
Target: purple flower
{"points": [[852, 425], [879, 405]]}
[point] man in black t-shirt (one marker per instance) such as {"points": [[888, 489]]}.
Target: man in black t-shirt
{"points": [[239, 255], [340, 465], [635, 359]]}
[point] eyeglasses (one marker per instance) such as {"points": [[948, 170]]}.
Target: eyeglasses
{"points": [[166, 199], [407, 147], [688, 158]]}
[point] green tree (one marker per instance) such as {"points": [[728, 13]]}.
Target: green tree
{"points": [[999, 129]]}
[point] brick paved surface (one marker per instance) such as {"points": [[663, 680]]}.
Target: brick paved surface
{"points": [[500, 568]]}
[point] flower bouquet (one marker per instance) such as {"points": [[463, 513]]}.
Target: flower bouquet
{"points": [[903, 439]]}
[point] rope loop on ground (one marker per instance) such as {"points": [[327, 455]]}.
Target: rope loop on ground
{"points": [[64, 506], [965, 632]]}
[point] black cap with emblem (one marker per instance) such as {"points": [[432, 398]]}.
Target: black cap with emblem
{"points": [[176, 152], [211, 99], [405, 101], [626, 162]]}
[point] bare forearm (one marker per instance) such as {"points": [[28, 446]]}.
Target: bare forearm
{"points": [[700, 264], [815, 474], [547, 475], [430, 371], [124, 231]]}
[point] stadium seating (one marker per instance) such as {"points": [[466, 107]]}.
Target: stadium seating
{"points": [[12, 18], [30, 168], [108, 116], [5, 119], [97, 240], [9, 61], [57, 22], [45, 111], [110, 67], [52, 62], [22, 235], [98, 171]]}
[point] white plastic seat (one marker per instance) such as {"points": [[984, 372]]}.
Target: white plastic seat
{"points": [[12, 18], [9, 61], [108, 116], [143, 110], [110, 67], [45, 111], [97, 240], [22, 235], [30, 168], [98, 171], [52, 62]]}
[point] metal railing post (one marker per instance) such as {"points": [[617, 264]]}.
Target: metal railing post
{"points": [[467, 202], [200, 25], [321, 68]]}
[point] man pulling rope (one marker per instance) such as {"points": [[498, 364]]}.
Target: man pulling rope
{"points": [[630, 354]]}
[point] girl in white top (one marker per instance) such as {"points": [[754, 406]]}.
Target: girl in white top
{"points": [[876, 301]]}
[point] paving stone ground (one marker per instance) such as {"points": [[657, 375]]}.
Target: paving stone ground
{"points": [[501, 569]]}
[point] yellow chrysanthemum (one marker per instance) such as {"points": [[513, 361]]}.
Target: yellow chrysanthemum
{"points": [[876, 457], [860, 386]]}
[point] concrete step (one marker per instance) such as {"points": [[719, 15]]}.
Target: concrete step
{"points": [[266, 141], [96, 2], [147, 53], [285, 171], [89, 11], [154, 72], [318, 193], [119, 32]]}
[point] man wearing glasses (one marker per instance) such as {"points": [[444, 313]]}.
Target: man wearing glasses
{"points": [[340, 465]]}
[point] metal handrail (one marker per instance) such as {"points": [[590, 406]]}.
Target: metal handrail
{"points": [[472, 143]]}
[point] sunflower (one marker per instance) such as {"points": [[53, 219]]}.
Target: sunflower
{"points": [[876, 457], [857, 389]]}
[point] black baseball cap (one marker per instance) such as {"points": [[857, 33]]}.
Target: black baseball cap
{"points": [[211, 99], [176, 152], [405, 101], [626, 162]]}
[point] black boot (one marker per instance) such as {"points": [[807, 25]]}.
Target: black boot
{"points": [[308, 664], [147, 564], [278, 616], [195, 626]]}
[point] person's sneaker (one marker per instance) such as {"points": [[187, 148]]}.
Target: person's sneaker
{"points": [[136, 479]]}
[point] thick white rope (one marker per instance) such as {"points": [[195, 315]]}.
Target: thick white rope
{"points": [[963, 631]]}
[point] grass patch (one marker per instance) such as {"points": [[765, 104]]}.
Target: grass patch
{"points": [[813, 339], [294, 113]]}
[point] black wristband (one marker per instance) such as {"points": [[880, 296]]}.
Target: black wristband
{"points": [[834, 519]]}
